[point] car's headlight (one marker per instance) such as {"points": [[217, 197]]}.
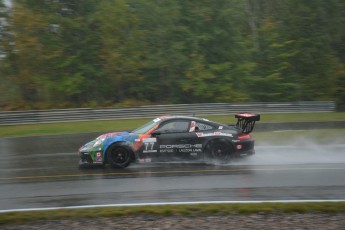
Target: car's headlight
{"points": [[98, 142]]}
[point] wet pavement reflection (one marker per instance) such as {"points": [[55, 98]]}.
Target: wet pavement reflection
{"points": [[43, 172]]}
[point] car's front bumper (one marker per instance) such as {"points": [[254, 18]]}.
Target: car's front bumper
{"points": [[87, 160]]}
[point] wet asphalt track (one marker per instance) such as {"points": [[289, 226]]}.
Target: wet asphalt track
{"points": [[34, 177]]}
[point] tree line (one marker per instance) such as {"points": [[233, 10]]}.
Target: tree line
{"points": [[96, 53]]}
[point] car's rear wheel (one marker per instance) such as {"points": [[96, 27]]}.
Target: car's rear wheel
{"points": [[118, 156], [219, 151]]}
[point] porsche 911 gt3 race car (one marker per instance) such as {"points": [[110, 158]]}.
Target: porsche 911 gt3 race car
{"points": [[173, 138]]}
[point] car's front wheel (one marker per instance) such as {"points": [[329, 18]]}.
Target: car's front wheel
{"points": [[219, 151], [118, 156]]}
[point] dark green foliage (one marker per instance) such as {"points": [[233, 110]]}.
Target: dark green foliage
{"points": [[90, 53]]}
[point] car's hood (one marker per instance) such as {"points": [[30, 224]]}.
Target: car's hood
{"points": [[104, 140], [113, 134]]}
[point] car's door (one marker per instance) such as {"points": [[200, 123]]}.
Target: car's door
{"points": [[169, 138], [177, 140]]}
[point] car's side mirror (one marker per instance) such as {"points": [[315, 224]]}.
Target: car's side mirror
{"points": [[156, 133]]}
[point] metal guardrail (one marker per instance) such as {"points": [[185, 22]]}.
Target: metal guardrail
{"points": [[87, 114]]}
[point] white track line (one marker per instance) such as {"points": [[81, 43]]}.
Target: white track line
{"points": [[167, 203]]}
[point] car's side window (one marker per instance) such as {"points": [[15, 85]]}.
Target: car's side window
{"points": [[202, 126], [175, 127]]}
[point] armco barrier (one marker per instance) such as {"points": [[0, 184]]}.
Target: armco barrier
{"points": [[87, 114]]}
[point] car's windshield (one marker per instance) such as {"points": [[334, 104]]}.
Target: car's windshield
{"points": [[143, 129]]}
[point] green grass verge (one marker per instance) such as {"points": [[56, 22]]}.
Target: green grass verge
{"points": [[171, 210], [114, 125]]}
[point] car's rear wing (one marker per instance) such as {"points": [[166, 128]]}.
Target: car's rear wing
{"points": [[246, 121]]}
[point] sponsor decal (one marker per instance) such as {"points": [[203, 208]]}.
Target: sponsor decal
{"points": [[98, 158], [151, 140], [146, 160], [200, 134], [213, 134], [189, 150], [150, 151], [166, 151], [141, 161], [156, 120], [181, 146]]}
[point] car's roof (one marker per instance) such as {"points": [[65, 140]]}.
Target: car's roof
{"points": [[162, 119], [166, 117], [172, 117]]}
